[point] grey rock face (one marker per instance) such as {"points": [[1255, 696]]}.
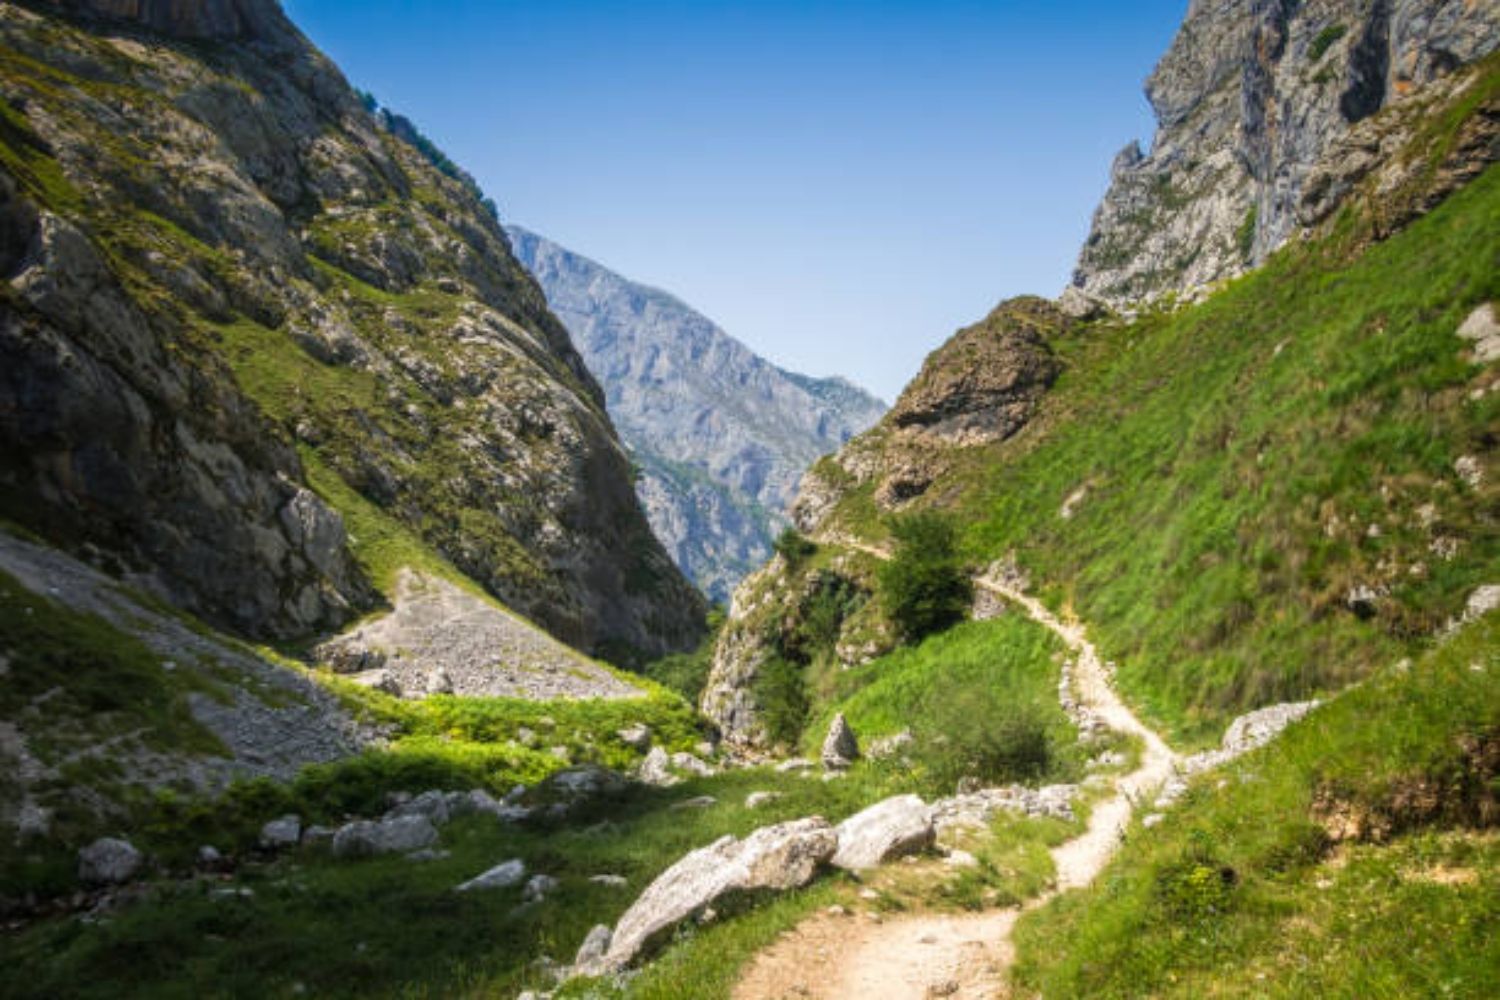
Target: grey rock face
{"points": [[252, 198], [1253, 100], [888, 830], [720, 435], [470, 646], [781, 857], [108, 861]]}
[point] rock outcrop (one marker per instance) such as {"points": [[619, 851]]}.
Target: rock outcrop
{"points": [[1260, 108], [240, 305], [720, 435]]}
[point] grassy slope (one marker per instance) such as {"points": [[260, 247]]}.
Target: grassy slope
{"points": [[1248, 461], [309, 914], [1417, 915]]}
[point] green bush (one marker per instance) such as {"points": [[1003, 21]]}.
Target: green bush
{"points": [[794, 547], [992, 742], [781, 692], [925, 587]]}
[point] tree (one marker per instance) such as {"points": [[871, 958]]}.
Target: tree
{"points": [[925, 587]]}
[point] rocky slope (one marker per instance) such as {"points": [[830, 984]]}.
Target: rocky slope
{"points": [[225, 280], [720, 435], [1263, 109], [979, 389]]}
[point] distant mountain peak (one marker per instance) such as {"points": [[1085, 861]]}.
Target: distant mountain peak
{"points": [[721, 436]]}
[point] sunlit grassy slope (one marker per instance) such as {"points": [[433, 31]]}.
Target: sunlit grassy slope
{"points": [[1243, 891]]}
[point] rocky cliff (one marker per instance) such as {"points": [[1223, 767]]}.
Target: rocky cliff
{"points": [[239, 309], [720, 435], [979, 389], [1260, 105]]}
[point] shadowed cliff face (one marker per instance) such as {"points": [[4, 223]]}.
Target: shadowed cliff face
{"points": [[226, 282], [1253, 100]]}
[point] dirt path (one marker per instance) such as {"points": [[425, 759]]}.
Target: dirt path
{"points": [[842, 957]]}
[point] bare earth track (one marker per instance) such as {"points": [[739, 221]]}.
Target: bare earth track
{"points": [[832, 957]]}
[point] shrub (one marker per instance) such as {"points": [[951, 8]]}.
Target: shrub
{"points": [[992, 742], [925, 587], [781, 693], [794, 547]]}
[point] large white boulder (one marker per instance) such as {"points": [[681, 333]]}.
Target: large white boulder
{"points": [[887, 830], [780, 857]]}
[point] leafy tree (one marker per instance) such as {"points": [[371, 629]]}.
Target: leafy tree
{"points": [[925, 587]]}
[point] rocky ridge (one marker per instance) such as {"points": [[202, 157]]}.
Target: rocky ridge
{"points": [[1263, 110], [979, 389], [720, 436], [238, 306]]}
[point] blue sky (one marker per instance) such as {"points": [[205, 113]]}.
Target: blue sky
{"points": [[839, 185]]}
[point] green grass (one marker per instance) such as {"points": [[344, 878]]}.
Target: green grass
{"points": [[390, 927], [1237, 454], [976, 671], [72, 682], [1241, 892]]}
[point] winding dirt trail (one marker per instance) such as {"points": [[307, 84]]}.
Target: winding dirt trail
{"points": [[842, 957]]}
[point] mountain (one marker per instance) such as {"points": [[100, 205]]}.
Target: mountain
{"points": [[719, 435], [1220, 491], [1268, 116], [252, 330]]}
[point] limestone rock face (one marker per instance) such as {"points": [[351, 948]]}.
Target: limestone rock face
{"points": [[720, 434], [1253, 101], [239, 302], [781, 857]]}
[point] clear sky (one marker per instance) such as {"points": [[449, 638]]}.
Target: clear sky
{"points": [[839, 185]]}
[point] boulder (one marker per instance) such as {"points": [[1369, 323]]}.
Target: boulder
{"points": [[586, 781], [1483, 330], [795, 764], [502, 876], [780, 857], [537, 888], [887, 830], [840, 748], [392, 835], [757, 799], [656, 769], [439, 682], [108, 861], [637, 737], [280, 833], [692, 765], [434, 805]]}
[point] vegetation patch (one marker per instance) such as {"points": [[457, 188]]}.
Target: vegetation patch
{"points": [[1253, 887]]}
